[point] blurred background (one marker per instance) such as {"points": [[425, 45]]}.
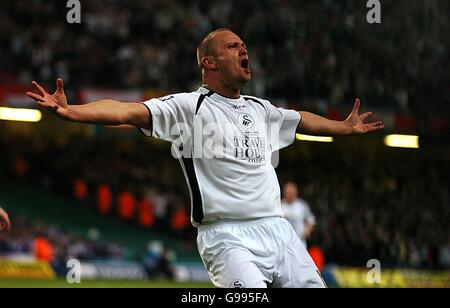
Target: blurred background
{"points": [[118, 202]]}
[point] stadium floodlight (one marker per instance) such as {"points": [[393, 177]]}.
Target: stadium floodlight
{"points": [[20, 114], [313, 138], [402, 141]]}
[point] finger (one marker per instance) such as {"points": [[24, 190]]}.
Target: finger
{"points": [[40, 89], [356, 106], [365, 116], [60, 85], [42, 104], [374, 127], [35, 96], [52, 107]]}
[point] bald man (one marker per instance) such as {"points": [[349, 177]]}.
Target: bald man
{"points": [[297, 212], [224, 141]]}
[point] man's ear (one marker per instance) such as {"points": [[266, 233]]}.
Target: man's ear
{"points": [[209, 63]]}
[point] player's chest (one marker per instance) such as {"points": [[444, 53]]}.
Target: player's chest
{"points": [[234, 119], [236, 133]]}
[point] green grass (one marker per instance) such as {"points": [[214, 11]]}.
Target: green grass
{"points": [[62, 283]]}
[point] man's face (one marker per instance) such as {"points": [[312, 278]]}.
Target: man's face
{"points": [[232, 59], [290, 193]]}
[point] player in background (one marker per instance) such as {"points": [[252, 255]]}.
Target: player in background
{"points": [[297, 212], [235, 195], [5, 224]]}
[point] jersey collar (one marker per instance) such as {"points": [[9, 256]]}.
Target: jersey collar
{"points": [[216, 96]]}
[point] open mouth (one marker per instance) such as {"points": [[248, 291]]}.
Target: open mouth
{"points": [[245, 64]]}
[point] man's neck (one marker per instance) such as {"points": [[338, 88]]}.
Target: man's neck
{"points": [[223, 90]]}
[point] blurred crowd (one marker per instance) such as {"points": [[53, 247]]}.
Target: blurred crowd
{"points": [[55, 245], [120, 178], [312, 53], [376, 203], [140, 188], [370, 202]]}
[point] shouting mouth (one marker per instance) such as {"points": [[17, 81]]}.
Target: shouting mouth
{"points": [[245, 64]]}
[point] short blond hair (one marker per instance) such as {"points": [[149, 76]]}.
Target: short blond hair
{"points": [[207, 46]]}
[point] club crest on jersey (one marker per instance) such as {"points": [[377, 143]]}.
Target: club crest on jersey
{"points": [[246, 121]]}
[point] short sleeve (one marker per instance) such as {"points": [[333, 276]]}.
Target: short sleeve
{"points": [[283, 126], [171, 117]]}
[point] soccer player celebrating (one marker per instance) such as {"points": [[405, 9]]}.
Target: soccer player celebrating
{"points": [[235, 196], [5, 224]]}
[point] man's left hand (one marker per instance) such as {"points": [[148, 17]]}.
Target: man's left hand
{"points": [[356, 121]]}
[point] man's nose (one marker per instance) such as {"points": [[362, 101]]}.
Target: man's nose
{"points": [[243, 47], [243, 51]]}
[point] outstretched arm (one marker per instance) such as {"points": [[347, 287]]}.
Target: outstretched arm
{"points": [[4, 220], [354, 124], [105, 112]]}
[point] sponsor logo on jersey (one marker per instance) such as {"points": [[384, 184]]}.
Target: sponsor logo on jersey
{"points": [[249, 148], [238, 107]]}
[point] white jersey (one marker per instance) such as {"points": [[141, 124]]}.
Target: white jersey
{"points": [[225, 147], [298, 214]]}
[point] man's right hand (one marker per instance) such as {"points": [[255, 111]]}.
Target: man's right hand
{"points": [[56, 102], [4, 220]]}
